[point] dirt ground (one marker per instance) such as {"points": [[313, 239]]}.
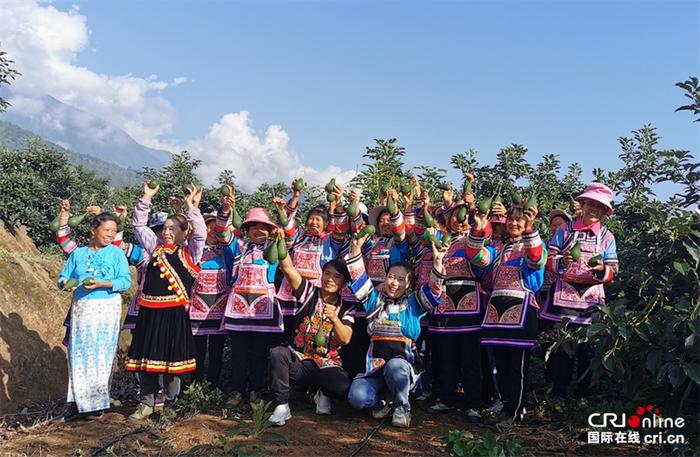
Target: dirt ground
{"points": [[341, 434]]}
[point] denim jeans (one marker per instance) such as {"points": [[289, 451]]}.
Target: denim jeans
{"points": [[396, 376]]}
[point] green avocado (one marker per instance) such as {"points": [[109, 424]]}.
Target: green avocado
{"points": [[461, 214], [75, 221], [236, 220], [281, 249], [352, 208], [531, 202], [485, 206], [330, 187], [366, 230], [593, 261], [576, 252], [282, 217], [391, 205], [428, 218], [298, 185], [467, 187], [447, 240], [271, 254], [71, 283], [55, 224]]}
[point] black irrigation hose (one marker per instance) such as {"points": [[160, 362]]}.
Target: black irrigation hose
{"points": [[367, 437], [119, 438]]}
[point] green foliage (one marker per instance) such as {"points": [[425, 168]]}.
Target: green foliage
{"points": [[7, 73], [245, 439], [462, 443], [386, 167], [200, 397], [647, 336], [430, 178], [692, 91], [34, 180], [15, 138]]}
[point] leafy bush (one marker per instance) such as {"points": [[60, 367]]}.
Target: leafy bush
{"points": [[200, 397], [462, 443], [256, 435]]}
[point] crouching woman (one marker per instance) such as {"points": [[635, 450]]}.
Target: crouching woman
{"points": [[323, 323], [97, 273], [393, 324]]}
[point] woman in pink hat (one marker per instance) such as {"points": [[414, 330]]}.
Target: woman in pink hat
{"points": [[252, 313], [578, 288]]}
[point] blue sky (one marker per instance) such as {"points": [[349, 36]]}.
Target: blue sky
{"points": [[442, 77]]}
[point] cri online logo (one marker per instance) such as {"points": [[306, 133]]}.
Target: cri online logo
{"points": [[646, 417]]}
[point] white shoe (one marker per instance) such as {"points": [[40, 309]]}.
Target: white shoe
{"points": [[323, 403], [280, 415], [401, 418], [473, 415], [439, 407]]}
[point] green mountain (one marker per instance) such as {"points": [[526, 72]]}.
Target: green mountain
{"points": [[15, 138]]}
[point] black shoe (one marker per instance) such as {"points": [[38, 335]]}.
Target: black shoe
{"points": [[92, 415], [70, 412]]}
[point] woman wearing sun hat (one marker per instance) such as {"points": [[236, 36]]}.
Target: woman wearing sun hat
{"points": [[583, 257], [252, 314]]}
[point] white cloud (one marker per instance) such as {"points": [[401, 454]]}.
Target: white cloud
{"points": [[45, 42], [233, 144]]}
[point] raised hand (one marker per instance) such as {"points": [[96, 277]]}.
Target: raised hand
{"points": [[530, 214], [356, 245], [278, 202], [480, 221], [93, 210], [194, 196], [120, 210], [175, 204], [148, 192]]}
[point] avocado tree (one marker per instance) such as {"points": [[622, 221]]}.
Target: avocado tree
{"points": [[384, 168], [7, 73]]}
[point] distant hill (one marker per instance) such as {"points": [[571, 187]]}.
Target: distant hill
{"points": [[15, 138], [84, 133]]}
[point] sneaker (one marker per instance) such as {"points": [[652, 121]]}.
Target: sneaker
{"points": [[141, 413], [497, 407], [235, 399], [280, 415], [323, 403], [70, 412], [424, 395], [382, 411], [473, 415], [401, 418], [254, 396], [168, 415], [159, 400], [440, 407]]}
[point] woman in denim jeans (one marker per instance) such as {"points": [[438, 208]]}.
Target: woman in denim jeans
{"points": [[393, 323]]}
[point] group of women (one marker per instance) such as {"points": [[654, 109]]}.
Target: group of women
{"points": [[371, 307]]}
